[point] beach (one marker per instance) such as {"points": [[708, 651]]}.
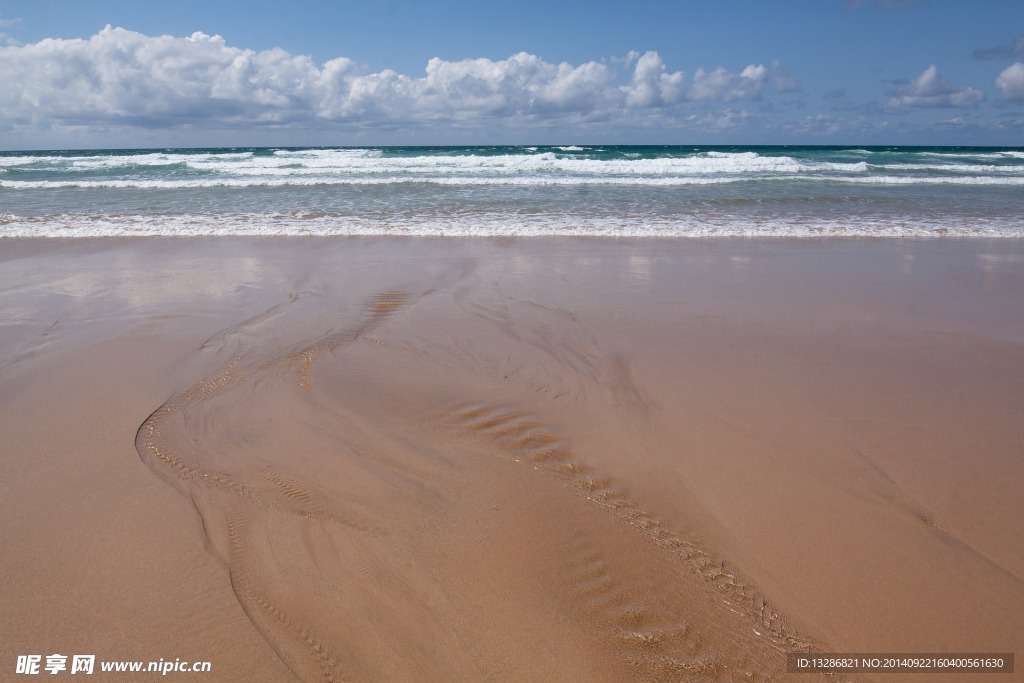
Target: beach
{"points": [[510, 458]]}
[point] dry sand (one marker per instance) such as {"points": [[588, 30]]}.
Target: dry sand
{"points": [[520, 460]]}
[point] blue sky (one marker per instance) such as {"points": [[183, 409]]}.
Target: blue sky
{"points": [[412, 72]]}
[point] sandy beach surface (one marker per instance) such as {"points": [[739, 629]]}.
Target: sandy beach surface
{"points": [[416, 459]]}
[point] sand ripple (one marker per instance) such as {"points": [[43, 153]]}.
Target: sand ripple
{"points": [[396, 494]]}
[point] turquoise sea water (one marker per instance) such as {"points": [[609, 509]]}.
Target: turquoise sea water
{"points": [[570, 190]]}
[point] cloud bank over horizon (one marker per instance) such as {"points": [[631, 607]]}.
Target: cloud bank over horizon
{"points": [[122, 87], [121, 77]]}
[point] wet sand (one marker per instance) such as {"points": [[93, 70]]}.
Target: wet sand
{"points": [[561, 460]]}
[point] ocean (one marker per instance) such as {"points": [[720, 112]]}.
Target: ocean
{"points": [[600, 190]]}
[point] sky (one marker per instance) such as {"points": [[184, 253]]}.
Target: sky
{"points": [[112, 73]]}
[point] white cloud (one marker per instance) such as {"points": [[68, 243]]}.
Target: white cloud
{"points": [[123, 78], [930, 90], [722, 85], [1011, 82], [652, 84]]}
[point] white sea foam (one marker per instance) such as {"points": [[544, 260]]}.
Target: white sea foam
{"points": [[292, 181], [330, 163], [497, 224], [930, 180], [311, 180], [961, 168], [1001, 154], [329, 167]]}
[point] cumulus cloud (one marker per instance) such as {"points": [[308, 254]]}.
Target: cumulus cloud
{"points": [[123, 76], [120, 77], [1011, 82], [652, 84], [930, 90], [723, 85]]}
